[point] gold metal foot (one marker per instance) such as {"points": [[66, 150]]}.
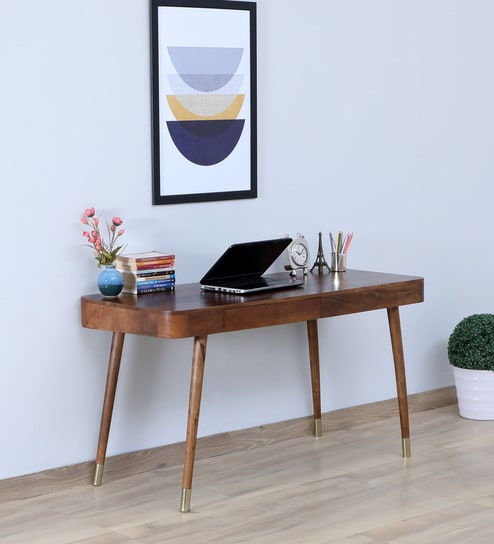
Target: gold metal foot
{"points": [[318, 428], [185, 500], [98, 474], [405, 448]]}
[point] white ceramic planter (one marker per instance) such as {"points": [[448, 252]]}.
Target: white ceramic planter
{"points": [[475, 392]]}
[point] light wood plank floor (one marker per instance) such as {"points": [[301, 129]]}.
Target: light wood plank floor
{"points": [[351, 486]]}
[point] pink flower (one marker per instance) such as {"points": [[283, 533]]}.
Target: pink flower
{"points": [[105, 252]]}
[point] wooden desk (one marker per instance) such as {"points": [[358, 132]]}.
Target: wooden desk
{"points": [[190, 312]]}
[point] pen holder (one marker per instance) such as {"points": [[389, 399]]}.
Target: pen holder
{"points": [[338, 262]]}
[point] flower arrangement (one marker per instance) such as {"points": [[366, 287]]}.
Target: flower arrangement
{"points": [[104, 252]]}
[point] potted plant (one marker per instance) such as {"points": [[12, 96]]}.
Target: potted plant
{"points": [[471, 353]]}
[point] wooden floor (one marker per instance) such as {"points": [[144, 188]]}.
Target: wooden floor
{"points": [[351, 486]]}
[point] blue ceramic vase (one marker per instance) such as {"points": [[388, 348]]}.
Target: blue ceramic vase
{"points": [[110, 281]]}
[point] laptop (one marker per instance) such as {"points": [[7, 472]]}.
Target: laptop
{"points": [[241, 269]]}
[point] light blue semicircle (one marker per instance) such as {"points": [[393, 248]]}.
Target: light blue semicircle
{"points": [[205, 60]]}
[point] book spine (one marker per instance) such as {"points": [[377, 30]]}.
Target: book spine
{"points": [[155, 277], [148, 279], [145, 265], [158, 272], [137, 276], [148, 290], [154, 258], [146, 258], [155, 283], [162, 262]]}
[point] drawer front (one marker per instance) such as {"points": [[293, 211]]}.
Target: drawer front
{"points": [[267, 315]]}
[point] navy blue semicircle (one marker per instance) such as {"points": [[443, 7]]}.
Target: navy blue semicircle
{"points": [[206, 142]]}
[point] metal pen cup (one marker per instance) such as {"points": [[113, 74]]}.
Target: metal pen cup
{"points": [[338, 262]]}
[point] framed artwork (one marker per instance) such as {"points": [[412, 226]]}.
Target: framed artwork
{"points": [[204, 104]]}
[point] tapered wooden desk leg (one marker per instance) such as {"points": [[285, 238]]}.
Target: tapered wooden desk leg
{"points": [[111, 387], [313, 337], [401, 383], [196, 379]]}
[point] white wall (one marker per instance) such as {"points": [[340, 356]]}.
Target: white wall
{"points": [[374, 117]]}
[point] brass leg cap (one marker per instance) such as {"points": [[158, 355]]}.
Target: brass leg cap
{"points": [[406, 450], [185, 500], [317, 428], [98, 474]]}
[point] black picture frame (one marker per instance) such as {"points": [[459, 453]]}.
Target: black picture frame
{"points": [[204, 100]]}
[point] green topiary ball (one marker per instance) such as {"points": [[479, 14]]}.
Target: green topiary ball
{"points": [[471, 344]]}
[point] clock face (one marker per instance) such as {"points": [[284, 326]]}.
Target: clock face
{"points": [[299, 254]]}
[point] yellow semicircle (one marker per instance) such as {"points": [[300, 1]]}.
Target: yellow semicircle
{"points": [[203, 108]]}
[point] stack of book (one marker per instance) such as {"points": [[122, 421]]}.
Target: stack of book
{"points": [[147, 272]]}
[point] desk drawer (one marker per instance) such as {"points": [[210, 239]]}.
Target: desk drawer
{"points": [[266, 315]]}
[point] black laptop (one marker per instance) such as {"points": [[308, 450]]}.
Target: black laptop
{"points": [[241, 269]]}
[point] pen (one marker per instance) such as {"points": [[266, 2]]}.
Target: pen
{"points": [[348, 240], [338, 241]]}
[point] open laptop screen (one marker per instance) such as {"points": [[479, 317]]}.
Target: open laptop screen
{"points": [[246, 259]]}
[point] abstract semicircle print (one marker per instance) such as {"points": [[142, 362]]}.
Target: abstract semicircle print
{"points": [[206, 128]]}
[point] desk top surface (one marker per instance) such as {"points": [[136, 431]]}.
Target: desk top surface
{"points": [[189, 311]]}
